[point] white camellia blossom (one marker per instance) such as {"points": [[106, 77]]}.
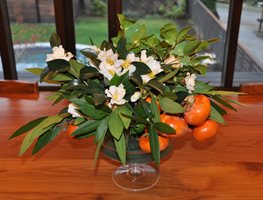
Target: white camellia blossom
{"points": [[116, 94], [72, 110], [126, 64], [153, 64], [172, 60], [109, 63], [190, 82], [137, 95], [59, 53]]}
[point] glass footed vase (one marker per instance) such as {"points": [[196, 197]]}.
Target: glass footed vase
{"points": [[136, 174]]}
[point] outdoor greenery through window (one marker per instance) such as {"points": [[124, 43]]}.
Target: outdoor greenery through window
{"points": [[32, 23]]}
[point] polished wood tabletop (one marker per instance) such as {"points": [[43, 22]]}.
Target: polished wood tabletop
{"points": [[227, 167]]}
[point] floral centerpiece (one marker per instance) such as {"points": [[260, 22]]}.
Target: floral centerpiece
{"points": [[141, 85]]}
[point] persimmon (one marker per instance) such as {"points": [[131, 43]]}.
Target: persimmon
{"points": [[205, 131], [199, 111], [177, 123], [149, 100], [70, 129], [144, 143]]}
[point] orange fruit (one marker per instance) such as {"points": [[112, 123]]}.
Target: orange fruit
{"points": [[70, 129], [177, 123], [149, 100], [205, 131], [144, 143], [199, 111]]}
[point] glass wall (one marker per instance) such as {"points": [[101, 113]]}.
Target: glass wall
{"points": [[90, 21], [249, 58], [32, 23]]}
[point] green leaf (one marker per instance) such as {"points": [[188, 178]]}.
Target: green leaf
{"points": [[164, 128], [138, 34], [55, 40], [102, 129], [168, 76], [136, 78], [59, 65], [88, 72], [47, 74], [91, 54], [179, 49], [124, 110], [201, 87], [46, 138], [156, 85], [98, 146], [78, 121], [170, 106], [233, 101], [88, 109], [137, 119], [218, 108], [62, 77], [41, 128], [27, 127], [125, 23], [141, 68], [216, 116], [154, 144], [121, 48], [121, 148], [86, 128], [98, 99], [75, 68], [224, 103], [115, 124], [222, 92], [201, 69], [182, 34], [155, 110], [36, 71], [116, 80], [147, 109], [190, 47]]}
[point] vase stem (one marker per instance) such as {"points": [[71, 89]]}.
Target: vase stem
{"points": [[135, 177]]}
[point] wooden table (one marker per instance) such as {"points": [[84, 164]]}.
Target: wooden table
{"points": [[229, 167]]}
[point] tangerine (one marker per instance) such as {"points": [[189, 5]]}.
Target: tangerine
{"points": [[205, 131], [199, 111], [144, 143], [70, 129], [149, 100], [177, 123]]}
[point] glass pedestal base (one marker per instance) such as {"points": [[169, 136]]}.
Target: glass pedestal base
{"points": [[135, 177]]}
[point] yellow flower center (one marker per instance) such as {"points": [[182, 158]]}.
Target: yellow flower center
{"points": [[110, 61], [126, 64], [112, 72], [151, 75]]}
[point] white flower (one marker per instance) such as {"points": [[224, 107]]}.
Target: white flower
{"points": [[94, 48], [59, 53], [126, 64], [116, 94], [190, 82], [108, 70], [172, 60], [108, 55], [109, 63], [72, 110], [154, 65], [137, 95]]}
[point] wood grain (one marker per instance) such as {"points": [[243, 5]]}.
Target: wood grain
{"points": [[228, 167]]}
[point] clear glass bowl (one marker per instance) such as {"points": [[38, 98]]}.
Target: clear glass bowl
{"points": [[136, 174]]}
